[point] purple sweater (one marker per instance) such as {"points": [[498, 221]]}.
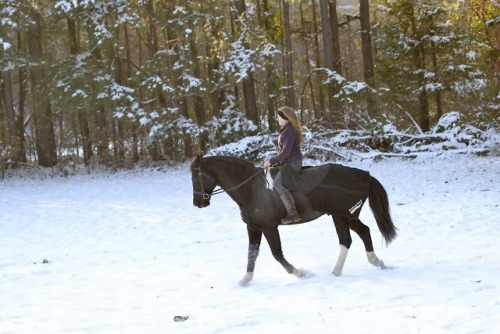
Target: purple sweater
{"points": [[288, 146]]}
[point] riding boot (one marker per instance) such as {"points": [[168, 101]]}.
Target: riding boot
{"points": [[293, 216]]}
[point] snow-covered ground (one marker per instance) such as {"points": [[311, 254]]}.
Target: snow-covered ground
{"points": [[127, 252]]}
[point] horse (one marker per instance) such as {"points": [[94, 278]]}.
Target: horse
{"points": [[262, 209]]}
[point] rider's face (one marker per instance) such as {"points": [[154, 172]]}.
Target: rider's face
{"points": [[281, 121]]}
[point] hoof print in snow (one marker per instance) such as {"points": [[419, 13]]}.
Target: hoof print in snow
{"points": [[179, 318]]}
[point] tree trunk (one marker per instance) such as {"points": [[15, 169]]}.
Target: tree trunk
{"points": [[250, 99], [101, 123], [186, 136], [119, 127], [82, 114], [288, 57], [217, 93], [8, 104], [419, 60], [21, 152], [199, 104], [249, 95], [366, 49], [153, 48], [329, 24], [366, 41], [7, 137], [321, 95], [334, 25], [3, 129], [41, 110], [305, 40], [128, 75], [180, 101], [439, 106], [271, 81], [327, 34], [328, 52]]}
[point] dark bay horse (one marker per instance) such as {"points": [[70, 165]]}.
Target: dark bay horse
{"points": [[262, 210]]}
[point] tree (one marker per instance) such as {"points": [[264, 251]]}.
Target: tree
{"points": [[199, 104], [74, 48], [14, 15], [366, 48], [317, 61], [153, 79], [422, 53], [288, 57], [271, 75], [40, 103], [8, 105], [329, 24], [249, 95]]}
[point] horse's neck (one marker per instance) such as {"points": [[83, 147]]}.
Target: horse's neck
{"points": [[229, 178]]}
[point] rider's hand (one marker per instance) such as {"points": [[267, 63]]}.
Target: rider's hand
{"points": [[267, 164]]}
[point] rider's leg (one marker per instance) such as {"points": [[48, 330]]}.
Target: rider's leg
{"points": [[292, 216]]}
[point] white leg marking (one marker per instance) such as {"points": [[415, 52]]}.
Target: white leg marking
{"points": [[246, 279], [298, 272], [337, 271], [373, 259]]}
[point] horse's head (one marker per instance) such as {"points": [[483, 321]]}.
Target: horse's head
{"points": [[203, 184]]}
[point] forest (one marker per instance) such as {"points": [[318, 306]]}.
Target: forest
{"points": [[126, 82]]}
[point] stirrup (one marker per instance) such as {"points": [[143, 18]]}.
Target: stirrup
{"points": [[291, 218]]}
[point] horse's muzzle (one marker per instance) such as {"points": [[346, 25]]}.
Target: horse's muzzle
{"points": [[204, 203]]}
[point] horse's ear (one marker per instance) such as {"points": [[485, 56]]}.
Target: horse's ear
{"points": [[196, 160], [198, 156]]}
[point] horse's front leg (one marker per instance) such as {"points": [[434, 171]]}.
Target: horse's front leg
{"points": [[273, 238], [364, 233], [254, 239]]}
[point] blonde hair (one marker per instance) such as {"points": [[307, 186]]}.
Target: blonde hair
{"points": [[292, 118]]}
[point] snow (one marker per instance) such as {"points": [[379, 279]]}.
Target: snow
{"points": [[127, 252], [240, 63], [5, 45]]}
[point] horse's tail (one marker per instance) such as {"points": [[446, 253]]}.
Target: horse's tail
{"points": [[379, 203]]}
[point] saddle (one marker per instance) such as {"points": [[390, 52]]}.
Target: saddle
{"points": [[331, 188], [303, 181]]}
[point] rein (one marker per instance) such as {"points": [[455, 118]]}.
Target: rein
{"points": [[219, 191]]}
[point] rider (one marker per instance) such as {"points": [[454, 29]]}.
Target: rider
{"points": [[289, 140]]}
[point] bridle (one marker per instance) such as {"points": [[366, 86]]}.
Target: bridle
{"points": [[207, 196], [203, 193]]}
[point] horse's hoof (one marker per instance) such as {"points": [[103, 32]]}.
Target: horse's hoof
{"points": [[301, 273], [246, 279], [374, 260]]}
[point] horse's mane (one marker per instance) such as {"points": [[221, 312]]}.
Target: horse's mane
{"points": [[246, 165], [234, 160]]}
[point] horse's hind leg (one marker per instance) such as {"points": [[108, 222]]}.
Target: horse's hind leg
{"points": [[345, 241], [364, 233], [254, 239]]}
